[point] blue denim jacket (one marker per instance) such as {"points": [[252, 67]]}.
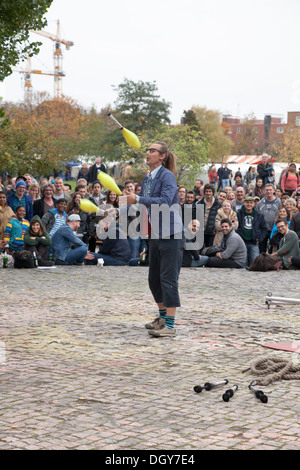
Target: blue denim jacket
{"points": [[62, 241]]}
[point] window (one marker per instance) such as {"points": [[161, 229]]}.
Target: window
{"points": [[297, 121], [279, 130]]}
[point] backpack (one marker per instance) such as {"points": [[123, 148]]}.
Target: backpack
{"points": [[24, 259]]}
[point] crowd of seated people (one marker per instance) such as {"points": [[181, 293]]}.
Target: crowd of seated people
{"points": [[239, 216]]}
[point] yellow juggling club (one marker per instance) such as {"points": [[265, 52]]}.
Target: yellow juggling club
{"points": [[88, 206], [131, 138], [109, 182]]}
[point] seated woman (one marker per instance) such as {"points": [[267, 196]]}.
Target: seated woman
{"points": [[37, 240]]}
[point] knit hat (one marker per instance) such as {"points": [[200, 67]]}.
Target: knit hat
{"points": [[20, 183]]}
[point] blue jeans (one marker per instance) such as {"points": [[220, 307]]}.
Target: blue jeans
{"points": [[225, 183], [198, 263], [76, 255], [108, 260], [252, 252]]}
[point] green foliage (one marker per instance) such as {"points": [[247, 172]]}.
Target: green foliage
{"points": [[140, 106], [17, 18], [188, 144]]}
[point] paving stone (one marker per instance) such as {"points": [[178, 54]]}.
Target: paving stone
{"points": [[79, 371]]}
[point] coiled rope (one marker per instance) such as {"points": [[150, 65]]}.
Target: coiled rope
{"points": [[273, 369]]}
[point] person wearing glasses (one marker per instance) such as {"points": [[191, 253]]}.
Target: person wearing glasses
{"points": [[288, 246], [166, 241]]}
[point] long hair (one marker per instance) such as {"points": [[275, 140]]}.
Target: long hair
{"points": [[169, 161], [40, 232]]}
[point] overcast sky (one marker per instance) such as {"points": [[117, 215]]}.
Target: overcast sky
{"points": [[234, 56]]}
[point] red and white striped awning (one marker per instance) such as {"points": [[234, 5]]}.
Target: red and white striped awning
{"points": [[249, 159]]}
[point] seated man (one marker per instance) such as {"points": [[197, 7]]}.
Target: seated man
{"points": [[15, 230], [68, 249], [115, 250], [288, 246], [233, 252]]}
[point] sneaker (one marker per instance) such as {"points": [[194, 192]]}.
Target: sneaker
{"points": [[163, 332], [156, 324]]}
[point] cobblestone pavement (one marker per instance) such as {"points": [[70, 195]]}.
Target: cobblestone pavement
{"points": [[79, 371]]}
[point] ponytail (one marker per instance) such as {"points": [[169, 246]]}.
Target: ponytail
{"points": [[169, 162]]}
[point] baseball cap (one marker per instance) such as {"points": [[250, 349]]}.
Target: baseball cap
{"points": [[73, 217]]}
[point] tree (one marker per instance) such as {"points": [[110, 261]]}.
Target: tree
{"points": [[288, 150], [40, 140], [209, 122], [140, 106], [247, 141], [17, 18]]}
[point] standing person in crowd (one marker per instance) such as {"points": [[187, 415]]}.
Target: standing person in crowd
{"points": [[34, 192], [268, 206], [213, 176], [197, 189], [226, 176], [159, 187], [252, 228], [15, 230], [258, 189], [291, 207], [290, 180], [181, 195], [19, 198], [37, 240], [288, 246], [239, 183], [295, 223], [211, 206], [59, 190], [239, 199], [222, 196], [95, 169], [96, 195], [112, 198], [6, 213], [46, 202], [265, 169], [225, 212], [250, 177], [83, 172]]}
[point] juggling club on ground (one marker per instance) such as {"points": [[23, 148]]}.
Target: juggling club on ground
{"points": [[210, 385], [259, 394], [229, 393]]}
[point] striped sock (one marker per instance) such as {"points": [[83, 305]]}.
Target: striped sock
{"points": [[169, 322], [162, 313]]}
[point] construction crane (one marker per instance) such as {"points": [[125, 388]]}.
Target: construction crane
{"points": [[28, 85], [58, 57]]}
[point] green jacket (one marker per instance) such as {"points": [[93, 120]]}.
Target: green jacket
{"points": [[28, 240]]}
